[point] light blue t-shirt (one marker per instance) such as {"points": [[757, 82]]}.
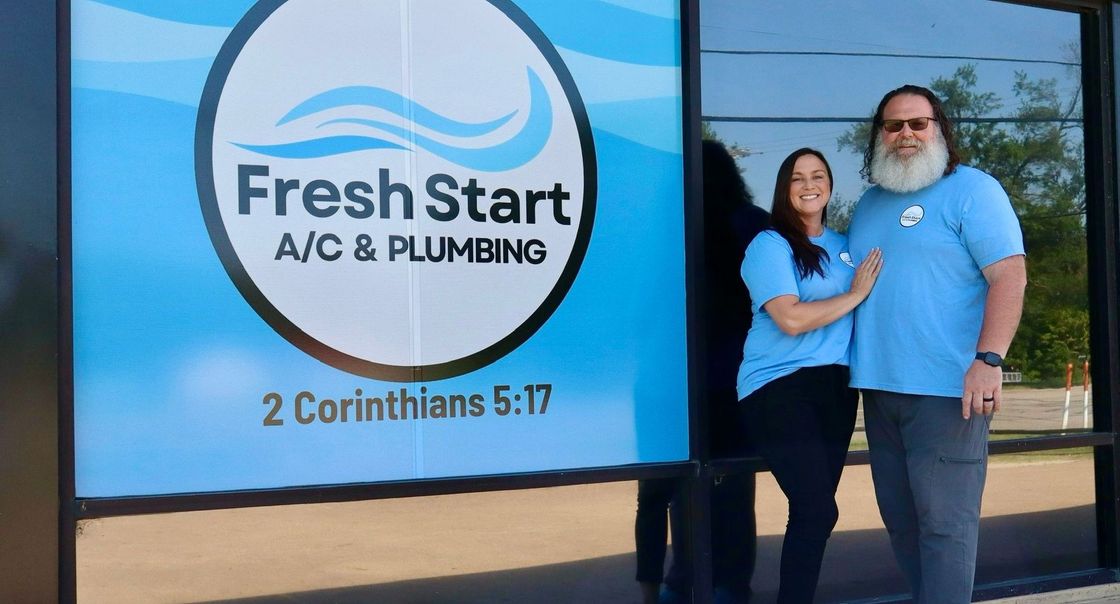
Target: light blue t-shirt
{"points": [[917, 331], [770, 271]]}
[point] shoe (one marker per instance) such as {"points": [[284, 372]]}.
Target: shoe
{"points": [[724, 596], [669, 596]]}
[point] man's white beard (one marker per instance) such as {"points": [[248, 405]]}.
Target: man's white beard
{"points": [[909, 174]]}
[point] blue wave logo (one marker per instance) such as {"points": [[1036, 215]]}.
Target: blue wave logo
{"points": [[511, 153]]}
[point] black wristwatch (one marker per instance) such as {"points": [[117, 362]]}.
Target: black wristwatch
{"points": [[990, 358]]}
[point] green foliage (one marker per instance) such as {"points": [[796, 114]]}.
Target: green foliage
{"points": [[1038, 157], [840, 213], [708, 133], [1065, 335]]}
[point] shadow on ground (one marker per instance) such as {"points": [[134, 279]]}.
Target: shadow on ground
{"points": [[858, 565]]}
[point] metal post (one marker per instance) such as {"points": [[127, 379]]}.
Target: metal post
{"points": [[29, 410], [1099, 86], [699, 491]]}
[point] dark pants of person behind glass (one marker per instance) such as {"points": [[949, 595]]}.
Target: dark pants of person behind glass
{"points": [[733, 534], [651, 528], [732, 515], [802, 425]]}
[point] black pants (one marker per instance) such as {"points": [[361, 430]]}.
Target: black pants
{"points": [[802, 425], [655, 498], [732, 515], [733, 534]]}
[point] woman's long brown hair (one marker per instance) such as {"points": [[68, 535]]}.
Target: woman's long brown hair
{"points": [[787, 222]]}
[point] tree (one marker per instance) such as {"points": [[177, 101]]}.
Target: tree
{"points": [[840, 212], [1037, 154]]}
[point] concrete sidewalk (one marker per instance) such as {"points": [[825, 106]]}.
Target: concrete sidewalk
{"points": [[1084, 595], [558, 545]]}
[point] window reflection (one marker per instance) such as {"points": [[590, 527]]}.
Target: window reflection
{"points": [[1049, 531], [804, 73], [563, 544], [779, 76]]}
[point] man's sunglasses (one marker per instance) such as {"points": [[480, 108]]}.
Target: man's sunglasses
{"points": [[916, 124]]}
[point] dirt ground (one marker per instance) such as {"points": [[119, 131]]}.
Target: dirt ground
{"points": [[566, 544]]}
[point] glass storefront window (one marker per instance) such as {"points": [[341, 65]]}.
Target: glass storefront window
{"points": [[779, 76], [776, 77]]}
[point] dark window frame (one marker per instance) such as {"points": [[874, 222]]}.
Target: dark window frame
{"points": [[1100, 21]]}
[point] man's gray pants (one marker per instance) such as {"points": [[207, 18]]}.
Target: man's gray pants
{"points": [[929, 464]]}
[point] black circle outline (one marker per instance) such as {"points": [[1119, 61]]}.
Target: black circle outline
{"points": [[204, 178]]}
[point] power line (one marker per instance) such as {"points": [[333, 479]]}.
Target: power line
{"points": [[747, 31], [889, 55], [784, 120], [783, 141], [743, 119]]}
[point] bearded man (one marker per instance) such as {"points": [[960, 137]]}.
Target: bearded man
{"points": [[929, 340]]}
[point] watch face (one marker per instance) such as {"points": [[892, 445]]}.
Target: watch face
{"points": [[990, 358]]}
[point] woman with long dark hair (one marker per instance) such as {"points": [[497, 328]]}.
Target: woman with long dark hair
{"points": [[793, 381]]}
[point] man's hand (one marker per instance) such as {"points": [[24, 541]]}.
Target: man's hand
{"points": [[983, 386]]}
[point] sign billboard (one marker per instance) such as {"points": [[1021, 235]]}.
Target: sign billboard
{"points": [[370, 240]]}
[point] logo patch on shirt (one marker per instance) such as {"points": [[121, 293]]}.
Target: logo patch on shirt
{"points": [[911, 216], [846, 258]]}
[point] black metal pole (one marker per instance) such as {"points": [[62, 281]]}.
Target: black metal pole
{"points": [[68, 555], [29, 468], [698, 500], [1098, 85]]}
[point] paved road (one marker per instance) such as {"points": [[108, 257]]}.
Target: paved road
{"points": [[1035, 409], [1043, 409]]}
